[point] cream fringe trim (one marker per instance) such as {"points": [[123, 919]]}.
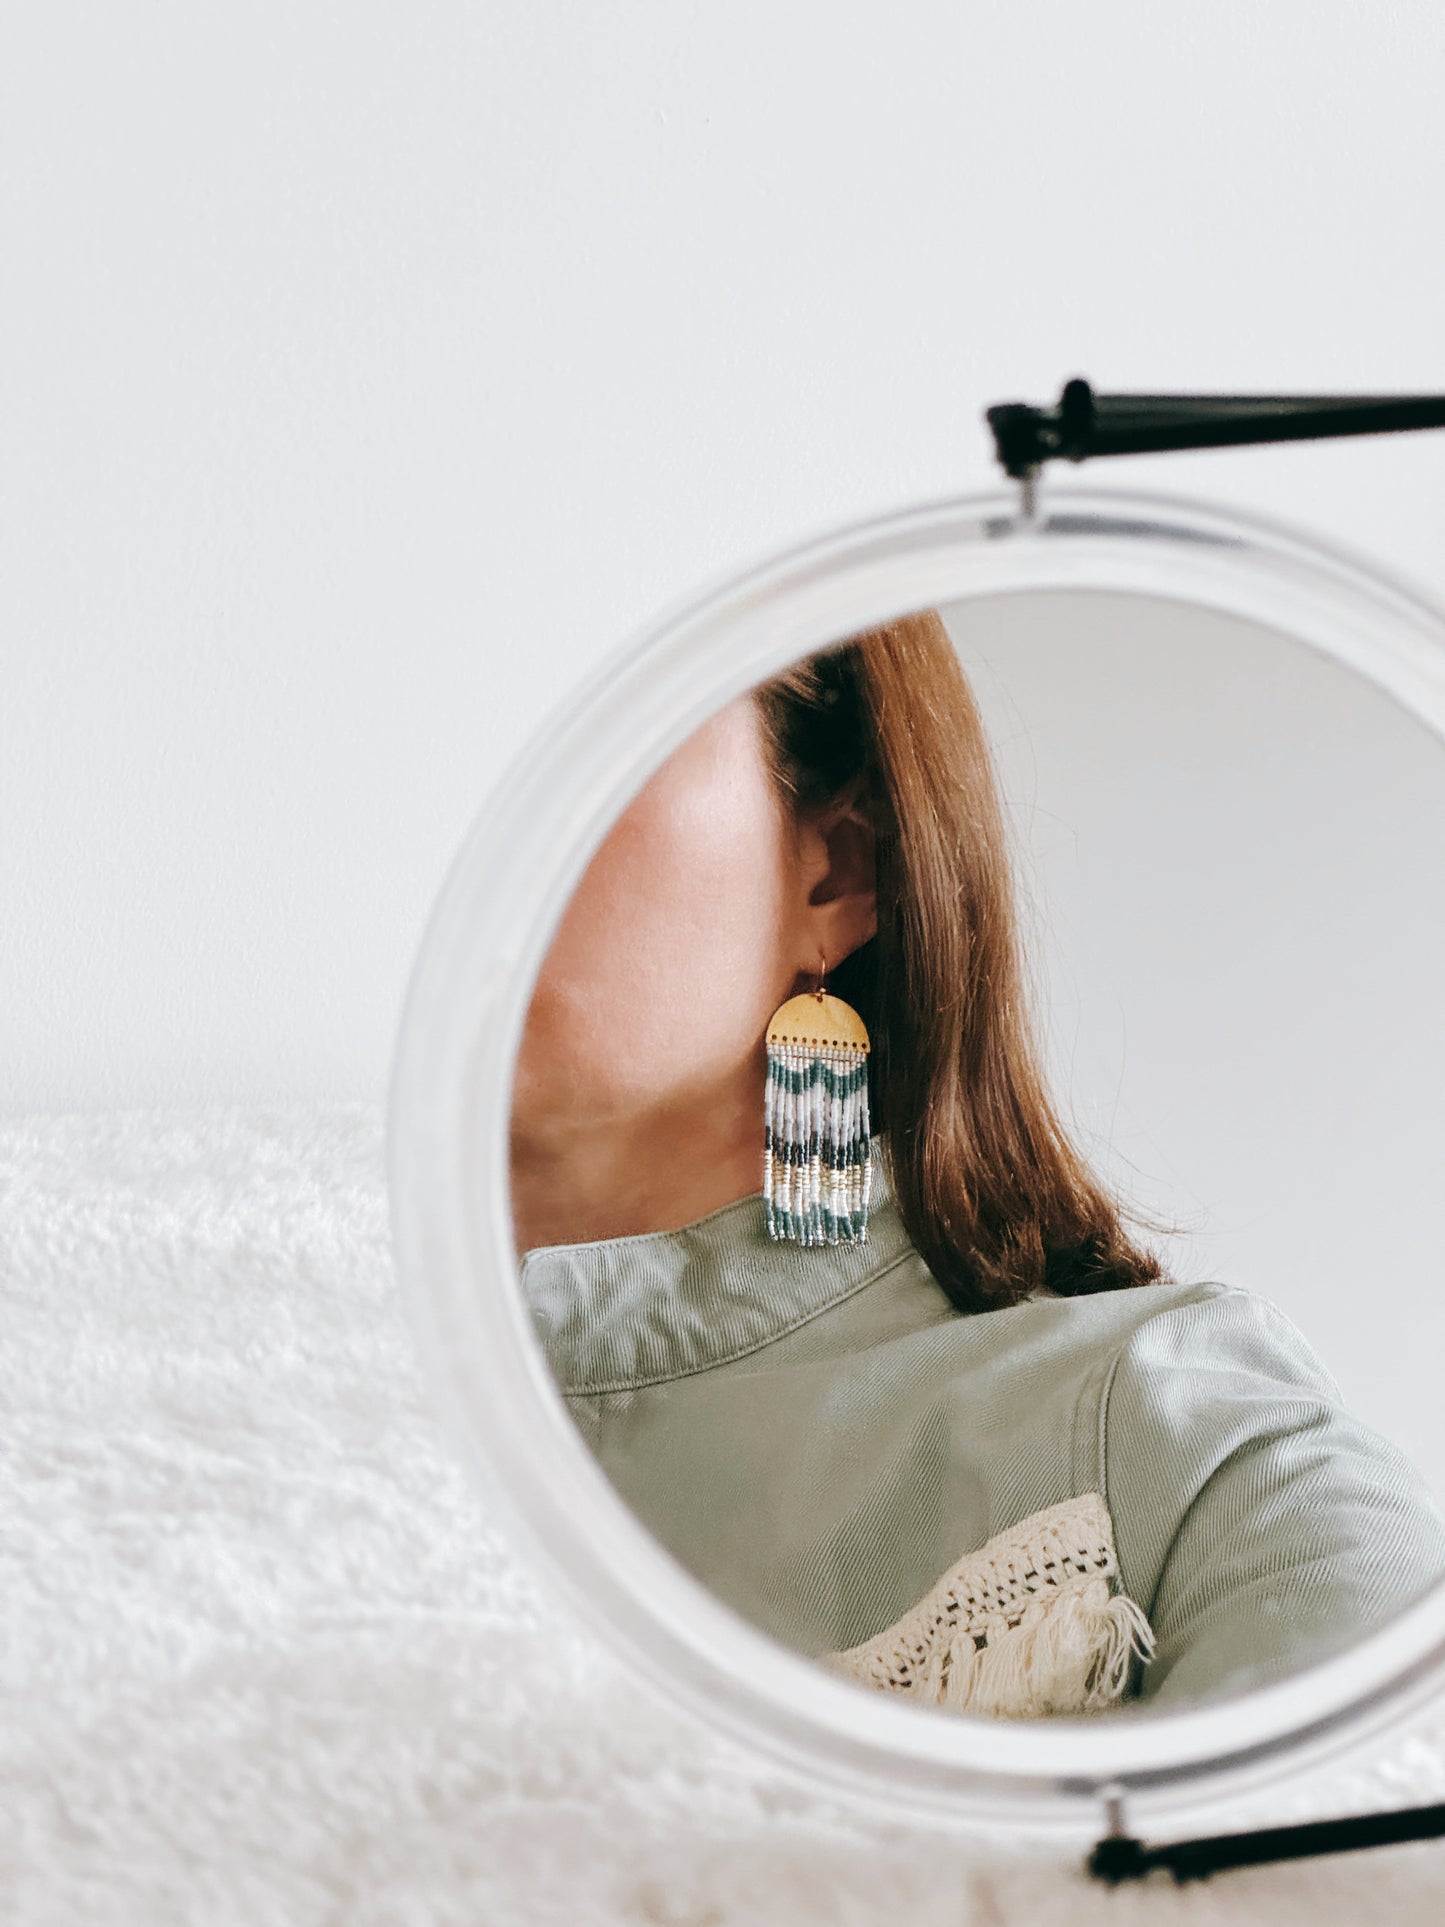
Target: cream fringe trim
{"points": [[1027, 1626]]}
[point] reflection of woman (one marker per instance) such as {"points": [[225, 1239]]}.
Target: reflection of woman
{"points": [[970, 1453]]}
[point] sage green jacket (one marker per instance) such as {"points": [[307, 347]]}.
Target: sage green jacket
{"points": [[818, 1435]]}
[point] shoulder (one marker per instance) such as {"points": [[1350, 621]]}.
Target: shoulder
{"points": [[1218, 1339], [1205, 1357], [1209, 1357], [1214, 1374], [1257, 1519], [1220, 1410], [1104, 1329]]}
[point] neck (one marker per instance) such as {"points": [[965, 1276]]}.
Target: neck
{"points": [[657, 1170]]}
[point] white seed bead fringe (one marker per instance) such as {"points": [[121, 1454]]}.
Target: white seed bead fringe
{"points": [[809, 1200]]}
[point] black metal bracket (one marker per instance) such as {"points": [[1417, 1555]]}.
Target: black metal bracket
{"points": [[1085, 424], [1119, 1857]]}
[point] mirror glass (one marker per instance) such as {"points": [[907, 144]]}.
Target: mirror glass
{"points": [[1071, 1348]]}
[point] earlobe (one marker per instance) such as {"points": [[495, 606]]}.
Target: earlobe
{"points": [[855, 919]]}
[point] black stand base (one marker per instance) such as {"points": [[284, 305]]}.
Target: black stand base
{"points": [[1118, 1857]]}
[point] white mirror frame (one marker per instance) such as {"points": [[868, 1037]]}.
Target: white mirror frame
{"points": [[449, 1121]]}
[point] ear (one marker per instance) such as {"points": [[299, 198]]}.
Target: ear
{"points": [[839, 912]]}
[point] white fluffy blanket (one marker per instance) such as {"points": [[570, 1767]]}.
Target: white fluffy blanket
{"points": [[266, 1660]]}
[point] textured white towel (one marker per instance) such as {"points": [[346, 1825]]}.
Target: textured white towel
{"points": [[265, 1660]]}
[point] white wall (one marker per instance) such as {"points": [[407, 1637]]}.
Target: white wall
{"points": [[369, 371]]}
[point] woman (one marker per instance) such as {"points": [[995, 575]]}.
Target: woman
{"points": [[988, 1456]]}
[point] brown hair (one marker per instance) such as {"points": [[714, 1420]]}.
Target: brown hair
{"points": [[994, 1196]]}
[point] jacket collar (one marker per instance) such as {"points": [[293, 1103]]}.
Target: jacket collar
{"points": [[618, 1314]]}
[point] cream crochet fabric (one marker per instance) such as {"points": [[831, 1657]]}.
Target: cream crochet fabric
{"points": [[1028, 1625]]}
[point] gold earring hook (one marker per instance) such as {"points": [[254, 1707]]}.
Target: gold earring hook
{"points": [[822, 973]]}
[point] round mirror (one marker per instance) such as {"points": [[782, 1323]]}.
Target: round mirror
{"points": [[914, 1142]]}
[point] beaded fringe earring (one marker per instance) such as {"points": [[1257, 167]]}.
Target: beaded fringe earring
{"points": [[817, 1164]]}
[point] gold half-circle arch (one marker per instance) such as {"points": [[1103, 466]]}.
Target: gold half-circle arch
{"points": [[825, 1021]]}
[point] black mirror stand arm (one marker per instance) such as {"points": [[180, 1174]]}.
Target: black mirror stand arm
{"points": [[1084, 424], [1119, 1857]]}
